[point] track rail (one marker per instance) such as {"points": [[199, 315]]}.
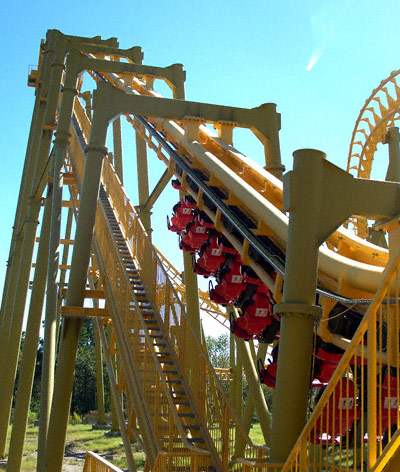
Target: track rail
{"points": [[380, 111]]}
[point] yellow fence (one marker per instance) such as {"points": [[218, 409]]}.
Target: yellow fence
{"points": [[357, 414], [254, 465], [189, 461], [95, 463]]}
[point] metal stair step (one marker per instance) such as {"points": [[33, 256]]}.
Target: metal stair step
{"points": [[198, 440], [144, 306]]}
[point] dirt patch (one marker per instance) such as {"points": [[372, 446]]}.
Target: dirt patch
{"points": [[73, 461]]}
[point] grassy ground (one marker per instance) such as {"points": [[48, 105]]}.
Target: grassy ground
{"points": [[256, 434], [80, 438]]}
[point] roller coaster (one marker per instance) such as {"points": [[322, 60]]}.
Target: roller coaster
{"points": [[303, 267]]}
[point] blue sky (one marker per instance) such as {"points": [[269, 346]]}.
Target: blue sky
{"points": [[235, 53]]}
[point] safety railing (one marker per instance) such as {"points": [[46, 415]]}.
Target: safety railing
{"points": [[130, 331], [206, 305], [185, 461], [83, 120], [357, 414], [177, 327], [254, 465], [96, 463]]}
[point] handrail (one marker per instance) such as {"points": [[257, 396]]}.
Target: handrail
{"points": [[206, 305], [359, 403], [139, 242], [193, 461], [96, 463]]}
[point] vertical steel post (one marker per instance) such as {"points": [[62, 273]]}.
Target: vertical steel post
{"points": [[393, 139], [64, 261], [372, 392], [117, 141], [250, 404], [143, 182], [115, 395], [255, 389], [26, 195], [273, 162], [28, 362], [190, 279], [50, 334], [11, 339], [232, 367], [239, 380], [298, 309], [114, 363], [95, 153], [178, 91], [99, 377], [26, 184], [393, 175]]}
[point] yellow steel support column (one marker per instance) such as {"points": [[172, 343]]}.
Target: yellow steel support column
{"points": [[193, 312], [26, 184], [238, 380], [96, 151], [24, 200], [117, 141], [50, 335], [11, 337], [190, 278], [255, 389], [393, 174], [143, 182], [250, 404], [273, 162], [116, 368], [99, 377], [87, 96], [28, 362], [63, 272], [298, 310], [232, 363], [372, 393], [178, 87], [115, 394], [392, 139]]}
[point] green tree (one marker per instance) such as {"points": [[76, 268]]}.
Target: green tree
{"points": [[84, 390], [218, 350]]}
